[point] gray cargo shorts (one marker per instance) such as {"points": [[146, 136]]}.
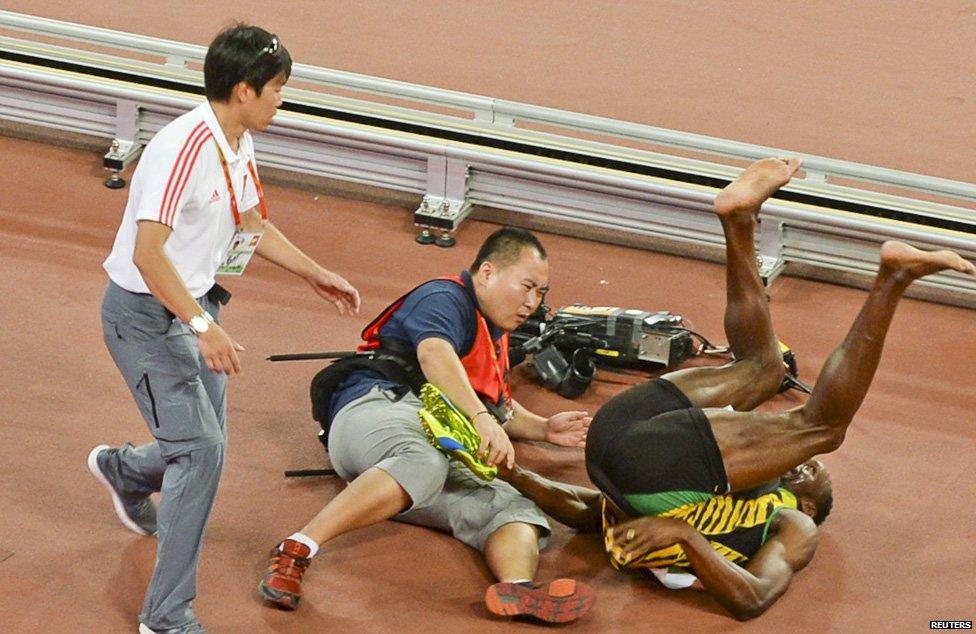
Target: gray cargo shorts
{"points": [[382, 430]]}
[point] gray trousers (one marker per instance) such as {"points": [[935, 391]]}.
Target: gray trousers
{"points": [[184, 406], [382, 430]]}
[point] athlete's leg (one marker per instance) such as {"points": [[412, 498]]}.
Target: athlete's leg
{"points": [[757, 447], [757, 371]]}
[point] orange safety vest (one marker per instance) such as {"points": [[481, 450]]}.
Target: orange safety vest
{"points": [[485, 364]]}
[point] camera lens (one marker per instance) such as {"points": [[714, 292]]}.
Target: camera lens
{"points": [[579, 376]]}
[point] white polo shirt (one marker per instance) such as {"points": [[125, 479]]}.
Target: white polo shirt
{"points": [[179, 182]]}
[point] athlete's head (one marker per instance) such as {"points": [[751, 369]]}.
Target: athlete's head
{"points": [[810, 483], [511, 277], [248, 55]]}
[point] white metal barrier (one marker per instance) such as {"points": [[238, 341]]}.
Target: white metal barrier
{"points": [[484, 152]]}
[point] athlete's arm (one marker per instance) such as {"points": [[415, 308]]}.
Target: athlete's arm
{"points": [[442, 367], [218, 349], [745, 592], [565, 428], [748, 592], [575, 506], [276, 248]]}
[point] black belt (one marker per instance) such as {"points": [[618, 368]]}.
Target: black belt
{"points": [[217, 294]]}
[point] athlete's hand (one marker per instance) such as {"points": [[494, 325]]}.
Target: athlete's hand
{"points": [[496, 447], [635, 538], [334, 288], [220, 351], [568, 429]]}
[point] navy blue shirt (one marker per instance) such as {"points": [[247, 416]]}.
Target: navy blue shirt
{"points": [[439, 308]]}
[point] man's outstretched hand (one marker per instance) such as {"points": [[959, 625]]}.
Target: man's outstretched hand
{"points": [[334, 288]]}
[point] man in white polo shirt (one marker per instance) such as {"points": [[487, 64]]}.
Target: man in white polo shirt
{"points": [[196, 208]]}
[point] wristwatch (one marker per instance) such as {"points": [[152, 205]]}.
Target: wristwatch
{"points": [[200, 323]]}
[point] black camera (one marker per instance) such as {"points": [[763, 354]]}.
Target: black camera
{"points": [[567, 346]]}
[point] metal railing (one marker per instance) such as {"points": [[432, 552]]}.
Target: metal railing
{"points": [[605, 185], [498, 115]]}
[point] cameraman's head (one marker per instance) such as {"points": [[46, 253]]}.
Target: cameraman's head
{"points": [[511, 277], [245, 68]]}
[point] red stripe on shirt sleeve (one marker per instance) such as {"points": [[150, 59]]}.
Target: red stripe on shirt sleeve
{"points": [[178, 168], [181, 185]]}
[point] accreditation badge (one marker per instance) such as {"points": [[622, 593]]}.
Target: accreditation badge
{"points": [[242, 247]]}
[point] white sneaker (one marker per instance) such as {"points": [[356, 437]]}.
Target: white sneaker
{"points": [[138, 515]]}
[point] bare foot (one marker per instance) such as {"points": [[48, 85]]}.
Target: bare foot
{"points": [[914, 263], [747, 193]]}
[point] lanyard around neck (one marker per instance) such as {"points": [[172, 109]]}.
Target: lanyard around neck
{"points": [[230, 188]]}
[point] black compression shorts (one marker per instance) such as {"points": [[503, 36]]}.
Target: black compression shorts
{"points": [[650, 440]]}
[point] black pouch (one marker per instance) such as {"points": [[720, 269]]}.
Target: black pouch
{"points": [[324, 385], [331, 377], [218, 294]]}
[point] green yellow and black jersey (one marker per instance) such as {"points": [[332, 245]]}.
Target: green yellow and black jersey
{"points": [[735, 524]]}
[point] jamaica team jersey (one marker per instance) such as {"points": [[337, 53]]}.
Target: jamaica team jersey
{"points": [[734, 524]]}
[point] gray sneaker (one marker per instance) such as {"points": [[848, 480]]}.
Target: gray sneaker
{"points": [[192, 628], [138, 514]]}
